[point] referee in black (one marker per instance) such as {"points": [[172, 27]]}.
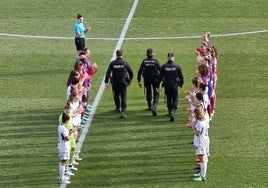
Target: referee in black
{"points": [[149, 70], [172, 77], [120, 75]]}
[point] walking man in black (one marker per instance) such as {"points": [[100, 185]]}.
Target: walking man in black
{"points": [[172, 77], [120, 79], [149, 69]]}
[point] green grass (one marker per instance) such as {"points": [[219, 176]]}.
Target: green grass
{"points": [[140, 151]]}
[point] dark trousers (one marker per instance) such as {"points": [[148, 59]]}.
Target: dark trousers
{"points": [[171, 92], [151, 93], [120, 95]]}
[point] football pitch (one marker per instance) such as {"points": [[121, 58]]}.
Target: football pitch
{"points": [[141, 151]]}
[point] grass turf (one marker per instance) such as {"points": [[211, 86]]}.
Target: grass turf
{"points": [[140, 151]]}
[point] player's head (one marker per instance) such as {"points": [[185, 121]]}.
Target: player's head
{"points": [[150, 52], [170, 56], [82, 56], [199, 113], [206, 36], [195, 82], [80, 18], [202, 86], [199, 96], [86, 51], [67, 109], [65, 117], [119, 53]]}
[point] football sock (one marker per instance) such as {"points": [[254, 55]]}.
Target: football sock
{"points": [[203, 167], [62, 171], [72, 154]]}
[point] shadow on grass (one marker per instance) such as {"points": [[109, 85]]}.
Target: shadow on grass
{"points": [[139, 150], [28, 148]]}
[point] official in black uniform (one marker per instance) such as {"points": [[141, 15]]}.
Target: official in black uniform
{"points": [[149, 69], [172, 77], [120, 75]]}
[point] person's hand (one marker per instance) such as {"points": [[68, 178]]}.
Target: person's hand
{"points": [[140, 84], [190, 125], [74, 129], [188, 98], [188, 92], [81, 110], [88, 28], [106, 85], [157, 90]]}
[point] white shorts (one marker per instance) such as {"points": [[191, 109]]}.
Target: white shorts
{"points": [[64, 155], [77, 120], [201, 150]]}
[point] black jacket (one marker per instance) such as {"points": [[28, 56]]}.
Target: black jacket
{"points": [[171, 74], [119, 72], [149, 69]]}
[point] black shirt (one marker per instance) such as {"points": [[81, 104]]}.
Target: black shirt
{"points": [[171, 73], [120, 70], [150, 67]]}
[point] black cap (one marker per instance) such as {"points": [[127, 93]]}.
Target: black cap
{"points": [[150, 51], [170, 54], [119, 52]]}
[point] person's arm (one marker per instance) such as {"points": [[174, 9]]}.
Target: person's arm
{"points": [[78, 30], [196, 132], [160, 77], [139, 74], [87, 29], [81, 30], [66, 134], [180, 77], [130, 72], [107, 76]]}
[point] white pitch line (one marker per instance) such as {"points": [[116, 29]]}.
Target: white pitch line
{"points": [[138, 38], [101, 88]]}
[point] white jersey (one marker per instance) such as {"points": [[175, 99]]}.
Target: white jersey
{"points": [[192, 106], [195, 137], [205, 106], [63, 145], [74, 108], [68, 92], [202, 139], [206, 100]]}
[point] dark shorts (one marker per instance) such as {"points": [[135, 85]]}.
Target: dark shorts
{"points": [[79, 43]]}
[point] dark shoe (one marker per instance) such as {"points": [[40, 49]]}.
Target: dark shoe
{"points": [[154, 110], [149, 104], [171, 116], [123, 113]]}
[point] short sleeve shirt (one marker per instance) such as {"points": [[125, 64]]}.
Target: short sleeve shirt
{"points": [[63, 145], [79, 27]]}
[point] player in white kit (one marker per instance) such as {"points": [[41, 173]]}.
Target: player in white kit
{"points": [[200, 129], [63, 147]]}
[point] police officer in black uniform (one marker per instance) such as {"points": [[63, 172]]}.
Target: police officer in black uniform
{"points": [[120, 79], [149, 69], [172, 77]]}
